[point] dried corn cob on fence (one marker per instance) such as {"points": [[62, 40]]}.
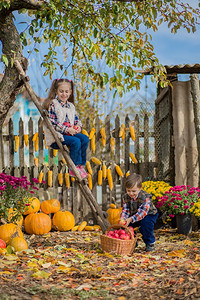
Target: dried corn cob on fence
{"points": [[110, 159]]}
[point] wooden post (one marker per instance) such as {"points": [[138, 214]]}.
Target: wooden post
{"points": [[103, 222], [194, 78]]}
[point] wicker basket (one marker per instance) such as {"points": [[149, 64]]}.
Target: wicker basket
{"points": [[118, 246]]}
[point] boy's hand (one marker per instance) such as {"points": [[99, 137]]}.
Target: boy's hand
{"points": [[128, 221], [122, 222]]}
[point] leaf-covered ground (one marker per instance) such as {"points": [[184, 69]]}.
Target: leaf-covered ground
{"points": [[71, 265]]}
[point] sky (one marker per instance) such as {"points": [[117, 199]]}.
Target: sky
{"points": [[171, 49]]}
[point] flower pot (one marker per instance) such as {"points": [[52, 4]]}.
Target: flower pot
{"points": [[184, 223]]}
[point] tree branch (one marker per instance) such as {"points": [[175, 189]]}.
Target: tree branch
{"points": [[20, 4]]}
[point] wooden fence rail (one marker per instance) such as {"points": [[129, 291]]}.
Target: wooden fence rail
{"points": [[34, 158]]}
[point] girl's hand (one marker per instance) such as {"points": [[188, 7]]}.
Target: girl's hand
{"points": [[77, 128], [71, 131]]}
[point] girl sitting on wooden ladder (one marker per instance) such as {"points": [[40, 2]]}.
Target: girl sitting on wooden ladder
{"points": [[62, 114]]}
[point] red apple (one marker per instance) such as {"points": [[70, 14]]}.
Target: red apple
{"points": [[127, 236], [2, 244], [121, 231], [123, 236], [131, 229], [116, 235], [122, 222]]}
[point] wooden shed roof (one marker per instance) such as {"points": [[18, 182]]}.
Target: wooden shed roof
{"points": [[177, 69]]}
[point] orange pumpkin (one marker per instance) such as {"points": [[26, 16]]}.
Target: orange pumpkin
{"points": [[114, 214], [18, 243], [37, 224], [11, 213], [63, 220], [33, 207], [9, 230], [50, 206]]}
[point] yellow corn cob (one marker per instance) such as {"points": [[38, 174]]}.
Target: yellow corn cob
{"points": [[35, 137], [104, 171], [112, 144], [36, 143], [100, 177], [97, 227], [92, 132], [64, 161], [132, 132], [60, 178], [96, 160], [89, 168], [45, 144], [103, 135], [121, 130], [103, 141], [132, 156], [85, 132], [75, 228], [90, 181], [55, 152], [82, 226], [41, 175], [36, 161], [119, 171], [123, 134], [73, 179], [88, 228], [127, 173], [26, 139], [67, 180], [103, 132], [110, 180], [93, 144], [16, 143], [50, 178]]}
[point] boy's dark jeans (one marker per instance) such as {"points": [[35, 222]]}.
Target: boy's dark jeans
{"points": [[146, 227]]}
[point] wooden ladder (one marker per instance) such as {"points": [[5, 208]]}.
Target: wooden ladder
{"points": [[83, 184]]}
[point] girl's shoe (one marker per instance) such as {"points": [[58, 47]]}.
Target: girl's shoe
{"points": [[83, 173], [71, 173]]}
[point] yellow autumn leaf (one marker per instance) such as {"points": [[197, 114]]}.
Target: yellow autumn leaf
{"points": [[41, 274]]}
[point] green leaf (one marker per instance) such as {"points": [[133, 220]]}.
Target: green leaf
{"points": [[4, 59]]}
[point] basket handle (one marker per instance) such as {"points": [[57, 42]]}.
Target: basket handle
{"points": [[117, 226]]}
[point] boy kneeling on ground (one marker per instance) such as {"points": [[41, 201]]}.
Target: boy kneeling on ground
{"points": [[138, 210]]}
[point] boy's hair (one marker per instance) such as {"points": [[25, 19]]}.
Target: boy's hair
{"points": [[53, 90], [132, 180]]}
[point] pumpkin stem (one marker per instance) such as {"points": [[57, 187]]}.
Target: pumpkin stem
{"points": [[3, 221]]}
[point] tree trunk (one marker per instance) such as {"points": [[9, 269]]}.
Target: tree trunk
{"points": [[196, 107]]}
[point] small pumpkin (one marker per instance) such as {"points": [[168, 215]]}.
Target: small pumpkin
{"points": [[33, 207], [50, 206], [2, 244], [38, 223], [63, 220], [114, 214], [9, 230], [18, 243], [11, 213]]}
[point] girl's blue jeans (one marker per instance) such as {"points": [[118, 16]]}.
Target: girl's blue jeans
{"points": [[146, 227], [77, 147]]}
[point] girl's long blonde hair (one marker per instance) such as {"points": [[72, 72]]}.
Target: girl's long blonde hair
{"points": [[53, 89]]}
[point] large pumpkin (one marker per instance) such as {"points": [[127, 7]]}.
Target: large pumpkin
{"points": [[37, 223], [63, 220], [33, 207], [11, 213], [50, 206], [114, 214], [18, 243], [7, 231]]}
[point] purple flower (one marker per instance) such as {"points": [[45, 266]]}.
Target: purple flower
{"points": [[185, 201], [175, 206]]}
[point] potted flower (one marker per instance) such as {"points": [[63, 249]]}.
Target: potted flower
{"points": [[177, 202], [15, 193], [195, 210], [156, 188]]}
